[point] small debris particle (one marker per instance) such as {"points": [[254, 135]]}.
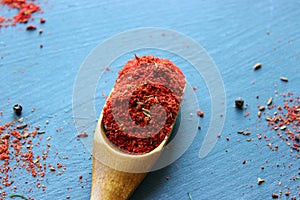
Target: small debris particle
{"points": [[80, 177], [40, 31], [262, 167], [284, 79], [258, 136], [21, 126], [26, 134], [68, 197], [261, 108], [227, 138], [279, 183], [260, 181], [239, 102], [167, 178], [52, 169], [218, 135], [287, 193], [257, 66], [283, 127], [247, 114], [17, 109], [199, 127], [274, 195], [270, 101], [268, 119], [244, 162], [20, 120], [240, 132], [259, 114], [47, 122], [247, 133], [41, 132], [200, 113], [190, 196], [297, 138], [84, 134], [18, 195], [42, 20], [31, 28]]}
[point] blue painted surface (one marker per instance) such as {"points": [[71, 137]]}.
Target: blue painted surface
{"points": [[233, 33]]}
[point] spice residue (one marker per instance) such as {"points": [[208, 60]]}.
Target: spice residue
{"points": [[18, 154], [143, 84], [25, 10]]}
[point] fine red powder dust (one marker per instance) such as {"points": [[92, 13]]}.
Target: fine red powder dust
{"points": [[286, 120], [143, 84], [25, 11], [18, 154]]}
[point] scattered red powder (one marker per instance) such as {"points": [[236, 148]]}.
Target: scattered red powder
{"points": [[18, 153], [286, 121], [25, 10]]}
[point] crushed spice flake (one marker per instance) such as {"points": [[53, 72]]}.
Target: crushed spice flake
{"points": [[260, 181], [83, 134], [200, 113], [284, 79], [42, 20], [30, 27], [257, 66]]}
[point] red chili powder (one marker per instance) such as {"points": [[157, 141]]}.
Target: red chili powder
{"points": [[17, 152], [142, 84], [286, 120], [25, 11]]}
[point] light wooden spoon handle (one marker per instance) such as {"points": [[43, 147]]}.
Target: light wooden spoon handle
{"points": [[115, 174], [111, 184]]}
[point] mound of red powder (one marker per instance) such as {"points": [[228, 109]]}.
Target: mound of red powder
{"points": [[143, 105]]}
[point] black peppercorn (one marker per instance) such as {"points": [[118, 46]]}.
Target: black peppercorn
{"points": [[297, 138], [239, 102], [17, 109]]}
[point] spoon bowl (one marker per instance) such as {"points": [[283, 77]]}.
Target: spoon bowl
{"points": [[116, 174]]}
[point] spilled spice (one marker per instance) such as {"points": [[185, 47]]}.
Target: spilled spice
{"points": [[285, 120], [153, 89], [25, 10], [18, 154]]}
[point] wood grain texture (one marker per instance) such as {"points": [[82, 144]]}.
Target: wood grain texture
{"points": [[108, 183]]}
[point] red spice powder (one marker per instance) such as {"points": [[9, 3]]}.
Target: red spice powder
{"points": [[142, 84], [25, 11], [17, 151], [286, 121]]}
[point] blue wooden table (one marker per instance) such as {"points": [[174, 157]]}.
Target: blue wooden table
{"points": [[236, 35]]}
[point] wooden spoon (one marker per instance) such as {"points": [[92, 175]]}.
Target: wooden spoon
{"points": [[115, 174]]}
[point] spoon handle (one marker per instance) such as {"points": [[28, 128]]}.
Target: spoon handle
{"points": [[111, 184]]}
